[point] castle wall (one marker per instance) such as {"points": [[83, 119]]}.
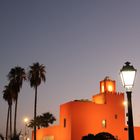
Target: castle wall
{"points": [[92, 115], [49, 132], [65, 121], [105, 113]]}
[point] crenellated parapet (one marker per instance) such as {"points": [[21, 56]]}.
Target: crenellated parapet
{"points": [[107, 92]]}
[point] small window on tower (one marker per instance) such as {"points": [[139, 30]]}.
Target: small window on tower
{"points": [[64, 122], [104, 123], [110, 88], [103, 90]]}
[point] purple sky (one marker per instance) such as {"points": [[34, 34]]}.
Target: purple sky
{"points": [[80, 42]]}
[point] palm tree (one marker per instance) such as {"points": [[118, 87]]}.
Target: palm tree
{"points": [[16, 77], [7, 96], [32, 123], [47, 119], [36, 76], [43, 120]]}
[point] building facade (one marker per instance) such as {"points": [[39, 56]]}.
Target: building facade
{"points": [[104, 113]]}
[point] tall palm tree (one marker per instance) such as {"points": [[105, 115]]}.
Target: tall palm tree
{"points": [[36, 76], [16, 77], [7, 96]]}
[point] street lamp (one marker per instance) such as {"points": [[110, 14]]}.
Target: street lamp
{"points": [[127, 74], [26, 122]]}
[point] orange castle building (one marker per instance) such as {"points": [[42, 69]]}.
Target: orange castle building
{"points": [[104, 113]]}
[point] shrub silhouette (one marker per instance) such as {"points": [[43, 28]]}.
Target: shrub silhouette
{"points": [[99, 136], [104, 136]]}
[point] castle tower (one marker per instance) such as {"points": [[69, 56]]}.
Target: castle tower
{"points": [[107, 85]]}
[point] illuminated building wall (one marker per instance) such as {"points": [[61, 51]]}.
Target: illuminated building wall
{"points": [[104, 113]]}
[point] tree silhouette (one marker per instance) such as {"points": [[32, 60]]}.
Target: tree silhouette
{"points": [[7, 96], [104, 136], [43, 120], [99, 136], [88, 137], [1, 136], [16, 77], [36, 76]]}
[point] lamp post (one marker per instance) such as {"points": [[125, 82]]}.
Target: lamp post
{"points": [[26, 121], [127, 74]]}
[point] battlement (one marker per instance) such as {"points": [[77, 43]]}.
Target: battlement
{"points": [[103, 98], [107, 91]]}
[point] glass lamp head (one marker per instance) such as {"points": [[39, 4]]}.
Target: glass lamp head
{"points": [[128, 73]]}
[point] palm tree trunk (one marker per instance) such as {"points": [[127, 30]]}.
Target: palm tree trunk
{"points": [[35, 108], [7, 123], [10, 122], [15, 117]]}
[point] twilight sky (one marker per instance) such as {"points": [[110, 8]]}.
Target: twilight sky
{"points": [[79, 41]]}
